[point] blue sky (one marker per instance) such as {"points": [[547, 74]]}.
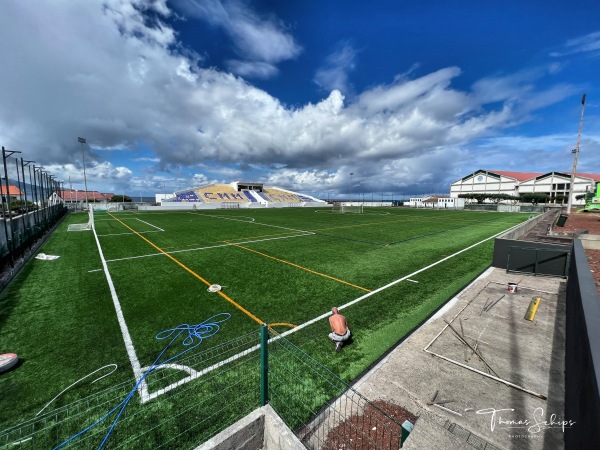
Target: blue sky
{"points": [[407, 96]]}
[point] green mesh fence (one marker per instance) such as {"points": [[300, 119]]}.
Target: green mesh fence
{"points": [[221, 386], [187, 410], [324, 412]]}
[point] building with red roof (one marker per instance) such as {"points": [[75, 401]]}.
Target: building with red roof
{"points": [[75, 196], [13, 193], [556, 185]]}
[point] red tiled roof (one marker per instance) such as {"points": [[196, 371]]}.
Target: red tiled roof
{"points": [[521, 176], [593, 176], [80, 195], [12, 190]]}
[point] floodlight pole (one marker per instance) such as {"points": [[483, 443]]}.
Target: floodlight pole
{"points": [[351, 188], [83, 141], [575, 155]]}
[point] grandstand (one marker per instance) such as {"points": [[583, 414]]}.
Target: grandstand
{"points": [[241, 195]]}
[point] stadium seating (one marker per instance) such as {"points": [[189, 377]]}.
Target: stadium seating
{"points": [[227, 193], [218, 193], [188, 196], [279, 196]]}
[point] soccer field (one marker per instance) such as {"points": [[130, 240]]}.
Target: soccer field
{"points": [[114, 289]]}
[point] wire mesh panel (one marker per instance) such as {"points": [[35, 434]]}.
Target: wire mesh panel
{"points": [[181, 411], [324, 411], [184, 408]]}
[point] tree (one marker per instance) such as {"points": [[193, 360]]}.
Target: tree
{"points": [[120, 199], [530, 197], [559, 198]]}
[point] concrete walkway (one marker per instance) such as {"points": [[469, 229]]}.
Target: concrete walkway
{"points": [[504, 386]]}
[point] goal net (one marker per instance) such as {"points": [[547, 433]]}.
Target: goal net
{"points": [[339, 207], [84, 226]]}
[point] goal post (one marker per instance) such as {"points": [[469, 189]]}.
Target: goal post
{"points": [[84, 226], [90, 223], [340, 207], [356, 209]]}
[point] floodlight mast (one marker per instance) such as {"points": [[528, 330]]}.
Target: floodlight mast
{"points": [[83, 141], [575, 155], [351, 173]]}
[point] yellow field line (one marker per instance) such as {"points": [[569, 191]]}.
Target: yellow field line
{"points": [[303, 268], [282, 324], [183, 266]]}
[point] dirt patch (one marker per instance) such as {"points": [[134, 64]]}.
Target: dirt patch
{"points": [[580, 221], [380, 426]]}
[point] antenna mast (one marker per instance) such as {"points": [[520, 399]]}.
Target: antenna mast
{"points": [[575, 155]]}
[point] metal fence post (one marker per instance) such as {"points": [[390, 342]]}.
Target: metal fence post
{"points": [[264, 365]]}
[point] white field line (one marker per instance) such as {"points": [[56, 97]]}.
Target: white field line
{"points": [[149, 224], [135, 363], [128, 234], [327, 314], [210, 247], [253, 222], [310, 322], [139, 232], [235, 219], [200, 373]]}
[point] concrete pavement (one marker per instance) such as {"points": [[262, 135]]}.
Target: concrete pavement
{"points": [[501, 374]]}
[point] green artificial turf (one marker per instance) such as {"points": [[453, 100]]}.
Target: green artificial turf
{"points": [[280, 266]]}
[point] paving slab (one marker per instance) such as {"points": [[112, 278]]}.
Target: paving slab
{"points": [[479, 373]]}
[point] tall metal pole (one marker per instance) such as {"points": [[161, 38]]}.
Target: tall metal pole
{"points": [[40, 187], [26, 216], [575, 155], [34, 196], [19, 182], [25, 163], [351, 188], [83, 141], [8, 240], [9, 244]]}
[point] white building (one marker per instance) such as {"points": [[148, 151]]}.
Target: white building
{"points": [[553, 184], [436, 202]]}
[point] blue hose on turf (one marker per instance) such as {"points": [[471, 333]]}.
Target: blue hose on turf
{"points": [[195, 335]]}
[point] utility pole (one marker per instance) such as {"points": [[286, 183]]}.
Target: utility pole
{"points": [[575, 155]]}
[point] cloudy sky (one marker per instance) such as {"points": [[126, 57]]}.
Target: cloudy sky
{"points": [[408, 96]]}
